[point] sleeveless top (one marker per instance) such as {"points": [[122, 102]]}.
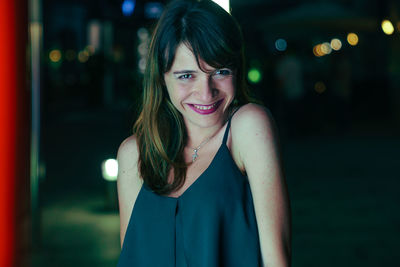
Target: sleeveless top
{"points": [[211, 224]]}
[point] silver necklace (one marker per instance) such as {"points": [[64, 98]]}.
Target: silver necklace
{"points": [[195, 150]]}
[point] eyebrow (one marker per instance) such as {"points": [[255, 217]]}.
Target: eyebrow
{"points": [[184, 71]]}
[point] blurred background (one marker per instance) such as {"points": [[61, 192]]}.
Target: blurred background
{"points": [[329, 71]]}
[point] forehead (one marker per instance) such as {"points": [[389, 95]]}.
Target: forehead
{"points": [[185, 59]]}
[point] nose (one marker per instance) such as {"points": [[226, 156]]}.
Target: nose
{"points": [[205, 89]]}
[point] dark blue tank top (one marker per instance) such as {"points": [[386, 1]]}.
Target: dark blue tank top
{"points": [[211, 224]]}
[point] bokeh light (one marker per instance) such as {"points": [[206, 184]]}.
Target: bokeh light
{"points": [[336, 44], [83, 56], [326, 48], [387, 27], [153, 10], [90, 49], [254, 75], [320, 87], [281, 44], [142, 64], [128, 6], [143, 34], [94, 30], [143, 49], [109, 169], [55, 55], [352, 39], [318, 51]]}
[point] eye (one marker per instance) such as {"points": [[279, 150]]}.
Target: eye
{"points": [[186, 76], [221, 73]]}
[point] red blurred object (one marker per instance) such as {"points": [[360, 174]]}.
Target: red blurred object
{"points": [[14, 127]]}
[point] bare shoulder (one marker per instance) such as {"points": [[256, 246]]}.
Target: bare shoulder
{"points": [[127, 157], [128, 182], [128, 174], [252, 128], [128, 149], [252, 119]]}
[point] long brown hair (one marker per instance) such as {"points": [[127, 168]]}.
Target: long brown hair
{"points": [[215, 37]]}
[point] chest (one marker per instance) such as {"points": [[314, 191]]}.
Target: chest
{"points": [[220, 181], [195, 170]]}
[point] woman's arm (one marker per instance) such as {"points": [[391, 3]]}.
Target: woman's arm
{"points": [[254, 140], [128, 182]]}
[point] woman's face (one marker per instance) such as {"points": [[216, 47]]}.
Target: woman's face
{"points": [[201, 97]]}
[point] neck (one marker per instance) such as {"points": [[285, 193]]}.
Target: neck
{"points": [[199, 135], [196, 134]]}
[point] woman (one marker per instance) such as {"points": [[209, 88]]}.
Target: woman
{"points": [[200, 183]]}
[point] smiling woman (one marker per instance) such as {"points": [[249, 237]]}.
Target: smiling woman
{"points": [[201, 175], [191, 39]]}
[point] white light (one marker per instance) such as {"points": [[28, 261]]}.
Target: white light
{"points": [[142, 65], [109, 169], [336, 44], [224, 4], [143, 34], [94, 34], [143, 49], [326, 48]]}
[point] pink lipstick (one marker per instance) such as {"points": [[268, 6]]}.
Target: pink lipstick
{"points": [[206, 109]]}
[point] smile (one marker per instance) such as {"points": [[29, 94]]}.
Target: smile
{"points": [[206, 109]]}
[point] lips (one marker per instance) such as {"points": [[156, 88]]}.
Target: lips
{"points": [[206, 109]]}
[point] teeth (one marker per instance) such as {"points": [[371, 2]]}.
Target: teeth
{"points": [[205, 107]]}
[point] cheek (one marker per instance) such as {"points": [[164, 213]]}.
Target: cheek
{"points": [[227, 87], [177, 94]]}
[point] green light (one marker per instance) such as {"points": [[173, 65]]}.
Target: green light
{"points": [[254, 75]]}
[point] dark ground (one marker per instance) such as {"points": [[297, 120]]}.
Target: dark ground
{"points": [[343, 190]]}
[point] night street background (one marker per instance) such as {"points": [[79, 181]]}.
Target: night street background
{"points": [[339, 130]]}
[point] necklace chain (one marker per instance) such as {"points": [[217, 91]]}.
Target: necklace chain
{"points": [[195, 150]]}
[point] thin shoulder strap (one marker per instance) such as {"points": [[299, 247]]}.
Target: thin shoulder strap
{"points": [[227, 127]]}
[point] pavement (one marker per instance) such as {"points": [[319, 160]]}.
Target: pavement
{"points": [[343, 191]]}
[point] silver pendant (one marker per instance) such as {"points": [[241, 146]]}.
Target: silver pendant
{"points": [[194, 156]]}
